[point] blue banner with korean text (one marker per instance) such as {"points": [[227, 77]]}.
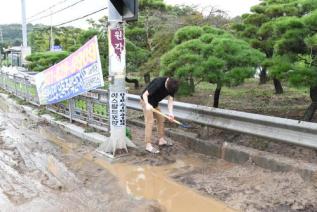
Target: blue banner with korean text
{"points": [[76, 74]]}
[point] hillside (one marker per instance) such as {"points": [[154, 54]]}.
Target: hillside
{"points": [[12, 34]]}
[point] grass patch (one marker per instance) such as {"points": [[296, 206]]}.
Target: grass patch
{"points": [[21, 101], [90, 130], [18, 100], [58, 117], [128, 133], [42, 111]]}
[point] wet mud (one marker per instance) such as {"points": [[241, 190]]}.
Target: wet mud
{"points": [[43, 168], [40, 172]]}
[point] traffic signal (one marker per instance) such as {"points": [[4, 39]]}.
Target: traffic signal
{"points": [[128, 9]]}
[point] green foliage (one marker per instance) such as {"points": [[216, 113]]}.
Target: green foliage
{"points": [[100, 109], [66, 37], [279, 66], [311, 20], [285, 30], [215, 56], [87, 35], [12, 33], [187, 33], [136, 56], [137, 35], [311, 42], [128, 133], [41, 61], [152, 4], [303, 75], [81, 104]]}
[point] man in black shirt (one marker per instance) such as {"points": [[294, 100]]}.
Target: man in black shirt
{"points": [[157, 90]]}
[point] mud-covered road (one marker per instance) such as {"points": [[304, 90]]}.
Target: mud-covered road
{"points": [[41, 172], [45, 169]]}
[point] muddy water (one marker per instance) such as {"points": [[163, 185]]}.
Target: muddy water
{"points": [[150, 182], [153, 183], [43, 169]]}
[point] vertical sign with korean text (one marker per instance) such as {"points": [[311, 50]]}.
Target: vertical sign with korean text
{"points": [[117, 51], [118, 107], [117, 69]]}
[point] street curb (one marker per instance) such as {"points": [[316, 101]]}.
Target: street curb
{"points": [[240, 154], [94, 139]]}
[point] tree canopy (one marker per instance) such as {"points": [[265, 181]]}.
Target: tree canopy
{"points": [[286, 32], [212, 55]]}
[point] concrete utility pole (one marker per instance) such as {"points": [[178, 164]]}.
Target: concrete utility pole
{"points": [[51, 35], [1, 36], [1, 40], [117, 90], [119, 11], [24, 32], [25, 51]]}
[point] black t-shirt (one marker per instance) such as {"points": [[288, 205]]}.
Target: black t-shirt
{"points": [[157, 91]]}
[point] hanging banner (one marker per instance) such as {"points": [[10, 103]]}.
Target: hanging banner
{"points": [[76, 74]]}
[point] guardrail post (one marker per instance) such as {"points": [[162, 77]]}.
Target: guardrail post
{"points": [[26, 92], [89, 110], [6, 79], [15, 86], [71, 108], [2, 78], [204, 132]]}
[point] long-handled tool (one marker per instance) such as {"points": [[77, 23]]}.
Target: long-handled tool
{"points": [[173, 120]]}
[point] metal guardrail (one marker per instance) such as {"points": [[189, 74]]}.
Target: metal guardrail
{"points": [[90, 109], [280, 129]]}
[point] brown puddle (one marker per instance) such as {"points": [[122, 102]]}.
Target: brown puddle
{"points": [[153, 183]]}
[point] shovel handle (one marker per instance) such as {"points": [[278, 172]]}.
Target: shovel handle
{"points": [[162, 114]]}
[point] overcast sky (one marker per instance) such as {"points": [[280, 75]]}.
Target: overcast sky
{"points": [[10, 11]]}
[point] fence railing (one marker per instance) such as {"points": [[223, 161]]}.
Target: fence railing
{"points": [[90, 109], [280, 129]]}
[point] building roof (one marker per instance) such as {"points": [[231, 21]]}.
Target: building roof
{"points": [[15, 49]]}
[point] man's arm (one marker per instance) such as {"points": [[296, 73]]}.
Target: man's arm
{"points": [[170, 107], [146, 101]]}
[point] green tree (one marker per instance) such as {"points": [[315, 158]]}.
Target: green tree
{"points": [[257, 27], [43, 60], [155, 29], [212, 55], [40, 38], [295, 56]]}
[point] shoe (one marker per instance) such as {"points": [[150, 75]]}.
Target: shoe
{"points": [[166, 143], [151, 149]]}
